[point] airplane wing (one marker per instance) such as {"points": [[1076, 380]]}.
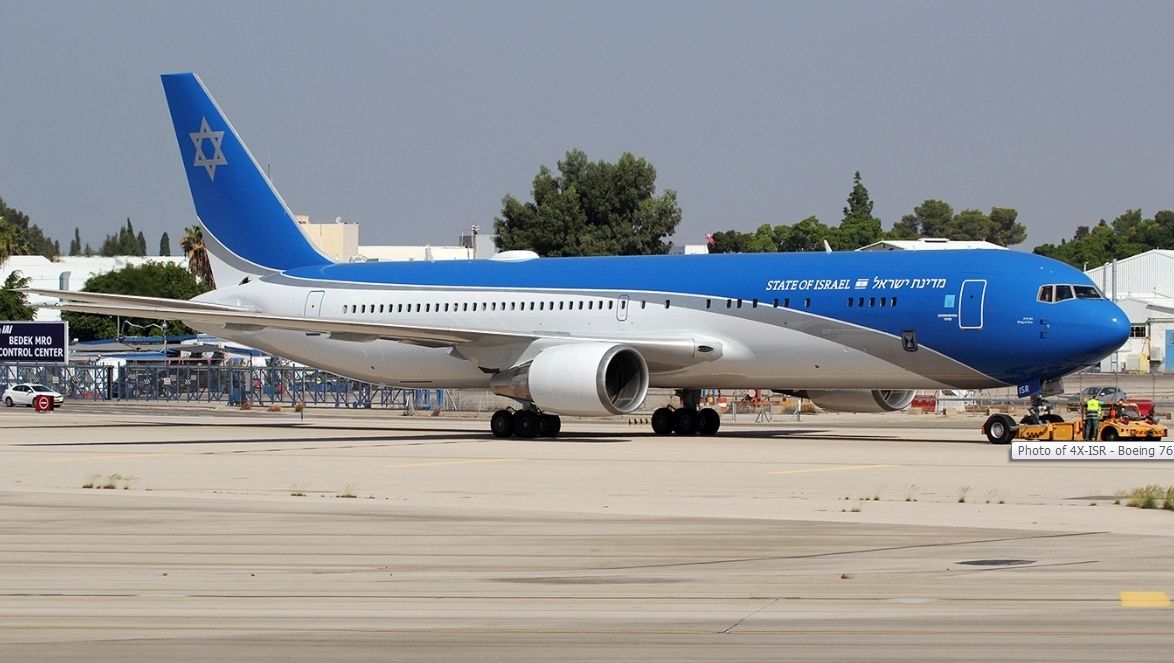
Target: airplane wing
{"points": [[666, 352]]}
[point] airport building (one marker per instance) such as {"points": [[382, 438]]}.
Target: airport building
{"points": [[1143, 286]]}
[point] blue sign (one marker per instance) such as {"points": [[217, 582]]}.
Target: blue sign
{"points": [[39, 342], [1029, 389]]}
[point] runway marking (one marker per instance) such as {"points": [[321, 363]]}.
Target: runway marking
{"points": [[108, 457], [1145, 600], [456, 462], [841, 468]]}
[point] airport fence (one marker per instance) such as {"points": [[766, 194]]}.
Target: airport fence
{"points": [[232, 385]]}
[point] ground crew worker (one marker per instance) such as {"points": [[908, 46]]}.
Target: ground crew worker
{"points": [[1092, 415]]}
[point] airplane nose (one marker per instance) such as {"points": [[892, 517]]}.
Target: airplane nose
{"points": [[1113, 330]]}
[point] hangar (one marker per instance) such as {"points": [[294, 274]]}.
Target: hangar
{"points": [[1143, 286]]}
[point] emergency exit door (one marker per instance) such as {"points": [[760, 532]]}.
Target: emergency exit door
{"points": [[970, 304], [314, 303]]}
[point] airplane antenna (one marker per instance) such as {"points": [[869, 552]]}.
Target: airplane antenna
{"points": [[827, 248]]}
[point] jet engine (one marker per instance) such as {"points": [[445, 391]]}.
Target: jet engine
{"points": [[862, 400], [584, 379]]}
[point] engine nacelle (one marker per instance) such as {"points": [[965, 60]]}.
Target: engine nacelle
{"points": [[862, 400], [585, 379]]}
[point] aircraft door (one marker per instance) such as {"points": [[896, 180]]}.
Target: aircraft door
{"points": [[970, 303], [314, 303], [622, 308]]}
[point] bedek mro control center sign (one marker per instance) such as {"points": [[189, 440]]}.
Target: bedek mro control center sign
{"points": [[42, 342]]}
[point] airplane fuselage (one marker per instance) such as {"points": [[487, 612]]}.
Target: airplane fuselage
{"points": [[923, 319]]}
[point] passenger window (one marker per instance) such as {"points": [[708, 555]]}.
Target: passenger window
{"points": [[882, 302], [787, 302], [624, 304], [739, 303], [363, 309], [708, 303], [560, 306], [776, 304], [754, 303], [807, 302], [872, 301], [860, 302], [590, 305], [643, 304], [729, 303], [850, 300], [611, 304], [511, 306], [1063, 292], [892, 301], [580, 306], [666, 303]]}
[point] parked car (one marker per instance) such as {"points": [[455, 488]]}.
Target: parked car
{"points": [[24, 393], [1103, 394]]}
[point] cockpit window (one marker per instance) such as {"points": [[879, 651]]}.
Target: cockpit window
{"points": [[1062, 292], [1087, 292]]}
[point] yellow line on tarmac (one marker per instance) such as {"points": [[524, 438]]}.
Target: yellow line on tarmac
{"points": [[841, 468], [1145, 600], [457, 462]]}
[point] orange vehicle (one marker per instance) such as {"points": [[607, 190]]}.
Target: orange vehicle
{"points": [[1122, 421]]}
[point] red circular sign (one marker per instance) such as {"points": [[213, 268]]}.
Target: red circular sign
{"points": [[43, 403]]}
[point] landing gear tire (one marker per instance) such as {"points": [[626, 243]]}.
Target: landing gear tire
{"points": [[526, 424], [686, 421], [1000, 429], [710, 421], [549, 425], [662, 421], [502, 423]]}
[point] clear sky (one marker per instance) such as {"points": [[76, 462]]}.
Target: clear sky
{"points": [[415, 119]]}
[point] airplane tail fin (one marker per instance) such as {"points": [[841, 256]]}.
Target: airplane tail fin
{"points": [[247, 227]]}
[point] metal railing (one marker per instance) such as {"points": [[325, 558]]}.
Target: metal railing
{"points": [[232, 385]]}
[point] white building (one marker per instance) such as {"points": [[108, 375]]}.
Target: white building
{"points": [[70, 273], [1143, 286], [929, 244]]}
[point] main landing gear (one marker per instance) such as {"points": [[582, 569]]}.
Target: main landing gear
{"points": [[524, 423], [687, 419]]}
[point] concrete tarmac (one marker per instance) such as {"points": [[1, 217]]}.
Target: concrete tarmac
{"points": [[360, 536]]}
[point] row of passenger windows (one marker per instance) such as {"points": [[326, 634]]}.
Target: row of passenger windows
{"points": [[873, 302], [1059, 293], [465, 307], [589, 305]]}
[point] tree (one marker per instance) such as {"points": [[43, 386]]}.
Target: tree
{"points": [[75, 244], [591, 208], [124, 243], [858, 227], [1128, 234], [20, 237], [935, 218], [15, 305], [196, 253], [151, 279], [165, 245], [1005, 230]]}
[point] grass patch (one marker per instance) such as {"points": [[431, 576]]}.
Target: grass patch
{"points": [[1146, 497]]}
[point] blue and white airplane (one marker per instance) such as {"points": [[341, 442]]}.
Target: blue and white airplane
{"points": [[855, 331]]}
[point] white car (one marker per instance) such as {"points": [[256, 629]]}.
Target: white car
{"points": [[24, 393]]}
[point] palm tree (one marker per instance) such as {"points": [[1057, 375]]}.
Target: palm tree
{"points": [[194, 250]]}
